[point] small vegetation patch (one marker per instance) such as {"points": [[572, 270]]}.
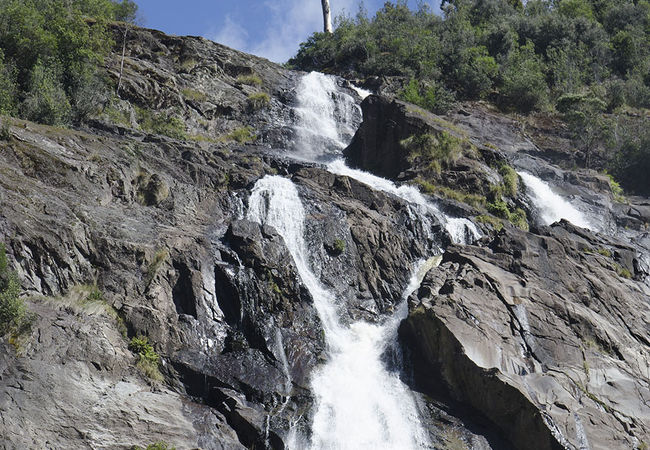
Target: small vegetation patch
{"points": [[510, 180], [258, 101], [241, 135], [161, 123], [336, 247], [617, 190], [148, 359], [432, 97], [192, 94], [152, 269], [495, 223], [251, 80], [475, 200], [5, 131], [622, 271], [13, 312], [438, 151]]}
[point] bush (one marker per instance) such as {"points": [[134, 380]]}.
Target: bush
{"points": [[241, 135], [13, 312], [46, 100], [440, 150], [52, 53], [161, 123], [434, 98], [252, 80], [258, 100], [524, 85], [148, 359]]}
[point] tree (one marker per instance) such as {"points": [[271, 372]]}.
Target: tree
{"points": [[327, 16]]}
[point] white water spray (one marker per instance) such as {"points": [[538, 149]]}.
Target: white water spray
{"points": [[359, 403], [326, 117], [550, 206], [462, 231]]}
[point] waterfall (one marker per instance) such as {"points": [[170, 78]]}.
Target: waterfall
{"points": [[359, 403], [551, 207], [326, 117], [462, 231]]}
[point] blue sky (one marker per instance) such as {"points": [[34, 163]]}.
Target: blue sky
{"points": [[269, 28]]}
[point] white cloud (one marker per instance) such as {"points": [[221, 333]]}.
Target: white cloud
{"points": [[289, 22], [231, 34]]}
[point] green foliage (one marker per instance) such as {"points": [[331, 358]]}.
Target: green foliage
{"points": [[524, 84], [161, 123], [13, 312], [192, 94], [46, 100], [494, 222], [435, 98], [475, 200], [510, 180], [258, 100], [524, 56], [148, 359], [438, 150], [5, 131], [336, 248], [252, 80], [241, 135], [50, 52], [617, 190]]}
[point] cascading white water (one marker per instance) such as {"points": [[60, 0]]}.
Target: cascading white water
{"points": [[551, 207], [326, 117], [462, 231], [360, 404]]}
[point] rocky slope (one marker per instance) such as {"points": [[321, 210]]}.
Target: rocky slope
{"points": [[525, 339]]}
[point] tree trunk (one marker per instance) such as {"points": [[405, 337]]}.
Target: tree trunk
{"points": [[327, 17]]}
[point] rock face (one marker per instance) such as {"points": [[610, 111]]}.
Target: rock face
{"points": [[571, 333]]}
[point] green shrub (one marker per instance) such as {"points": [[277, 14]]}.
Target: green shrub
{"points": [[258, 100], [46, 100], [161, 123], [510, 180], [437, 150], [13, 312], [497, 224], [192, 94], [475, 200], [148, 359], [241, 135], [524, 84], [336, 248], [5, 131], [434, 98], [252, 80], [617, 190]]}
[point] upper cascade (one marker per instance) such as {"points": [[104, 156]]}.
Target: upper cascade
{"points": [[327, 117], [550, 206]]}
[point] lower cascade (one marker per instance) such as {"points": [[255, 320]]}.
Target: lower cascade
{"points": [[360, 403]]}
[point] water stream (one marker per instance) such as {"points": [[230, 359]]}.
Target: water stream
{"points": [[361, 403], [552, 207]]}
